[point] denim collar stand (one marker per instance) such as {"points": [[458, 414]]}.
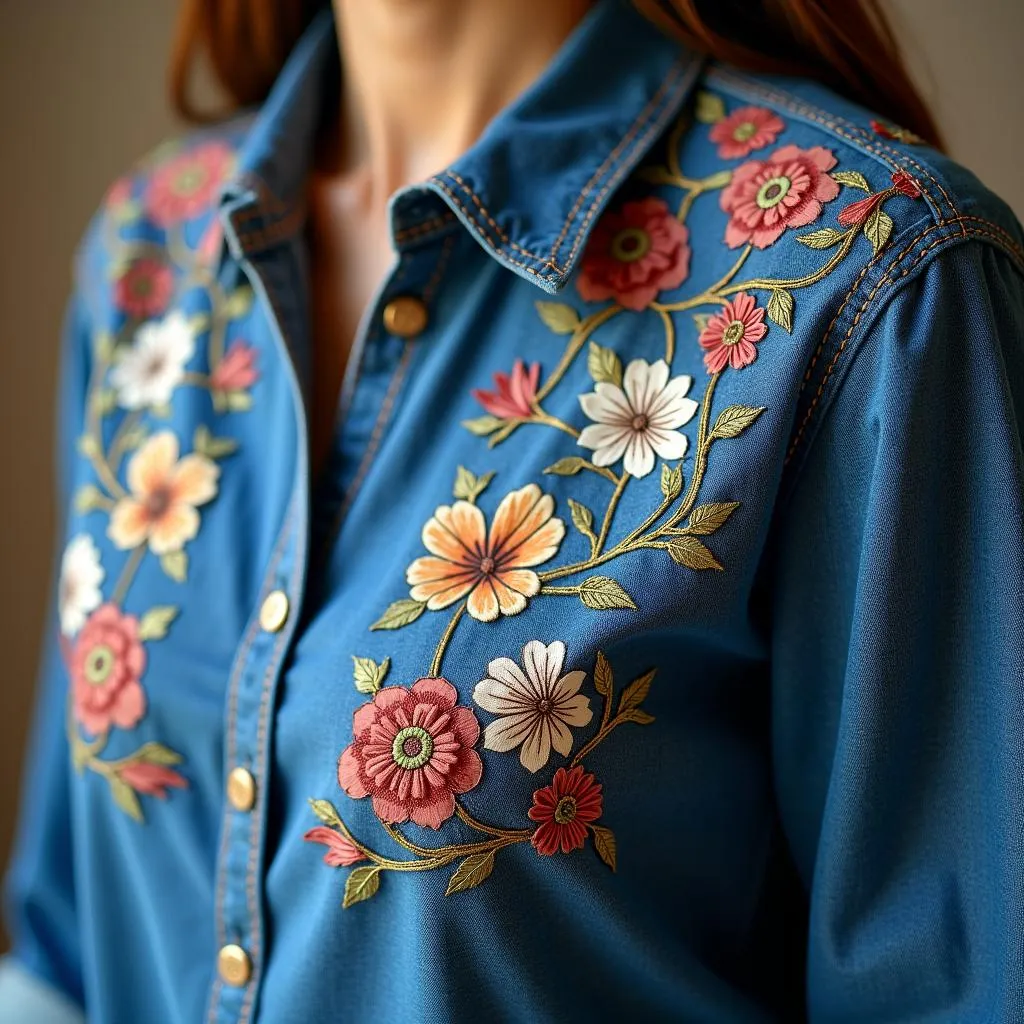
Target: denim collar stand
{"points": [[529, 190]]}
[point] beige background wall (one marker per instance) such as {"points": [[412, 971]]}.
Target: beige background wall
{"points": [[81, 96]]}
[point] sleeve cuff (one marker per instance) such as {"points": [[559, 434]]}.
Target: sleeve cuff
{"points": [[28, 1000]]}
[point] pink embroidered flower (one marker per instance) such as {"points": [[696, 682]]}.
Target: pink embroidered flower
{"points": [[237, 370], [905, 185], [513, 396], [564, 809], [186, 185], [341, 852], [856, 213], [895, 133], [745, 130], [152, 779], [412, 752], [119, 193], [144, 289], [730, 337], [785, 191], [635, 253], [106, 665]]}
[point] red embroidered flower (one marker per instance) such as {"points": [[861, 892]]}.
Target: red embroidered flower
{"points": [[186, 185], [785, 191], [858, 212], [107, 663], [730, 336], [745, 130], [341, 852], [895, 133], [564, 809], [905, 185], [237, 370], [412, 752], [635, 253], [144, 289], [513, 396], [152, 779]]}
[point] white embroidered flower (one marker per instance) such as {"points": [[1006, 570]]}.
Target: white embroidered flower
{"points": [[536, 706], [154, 366], [81, 577], [640, 419]]}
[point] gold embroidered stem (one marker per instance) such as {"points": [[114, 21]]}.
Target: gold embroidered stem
{"points": [[490, 830], [609, 514], [199, 380], [92, 443], [83, 752], [131, 567], [603, 733], [540, 416], [435, 665], [560, 591], [599, 470], [670, 336], [124, 429]]}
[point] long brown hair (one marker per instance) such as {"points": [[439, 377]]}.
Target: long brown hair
{"points": [[848, 45]]}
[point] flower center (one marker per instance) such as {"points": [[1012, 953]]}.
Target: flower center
{"points": [[142, 287], [733, 333], [412, 748], [158, 502], [773, 191], [544, 705], [639, 422], [744, 131], [189, 180], [487, 565], [99, 663], [565, 810], [630, 245]]}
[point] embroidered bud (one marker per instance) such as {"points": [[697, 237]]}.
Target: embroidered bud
{"points": [[905, 185], [858, 212]]}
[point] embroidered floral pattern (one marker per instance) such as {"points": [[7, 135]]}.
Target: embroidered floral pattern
{"points": [[745, 130], [565, 809], [145, 288], [186, 185], [81, 577], [236, 371], [731, 337], [514, 394], [148, 372]]}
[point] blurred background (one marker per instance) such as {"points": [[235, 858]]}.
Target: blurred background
{"points": [[82, 97]]}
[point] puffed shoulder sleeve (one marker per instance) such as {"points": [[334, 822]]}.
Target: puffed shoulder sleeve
{"points": [[897, 609], [40, 980]]}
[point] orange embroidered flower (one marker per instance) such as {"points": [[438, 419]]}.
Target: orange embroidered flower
{"points": [[494, 569], [161, 508]]}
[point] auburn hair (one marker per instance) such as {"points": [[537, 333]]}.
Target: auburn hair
{"points": [[848, 45]]}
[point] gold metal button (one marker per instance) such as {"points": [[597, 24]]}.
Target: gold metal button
{"points": [[274, 612], [241, 789], [234, 965], [405, 316]]}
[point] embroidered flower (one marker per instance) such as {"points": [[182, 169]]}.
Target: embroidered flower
{"points": [[154, 366], [106, 665], [81, 576], [745, 130], [144, 289], [494, 569], [730, 336], [341, 852], [412, 751], [634, 254], [186, 185], [905, 185], [513, 395], [537, 705], [152, 779], [895, 133], [119, 193], [857, 213], [640, 419], [785, 191], [212, 239], [237, 370], [161, 508], [564, 810]]}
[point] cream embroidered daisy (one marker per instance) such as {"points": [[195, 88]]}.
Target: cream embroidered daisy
{"points": [[81, 577], [154, 366]]}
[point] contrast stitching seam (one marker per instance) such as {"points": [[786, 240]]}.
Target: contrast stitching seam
{"points": [[273, 232], [443, 220]]}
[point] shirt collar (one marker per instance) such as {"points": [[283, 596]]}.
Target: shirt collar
{"points": [[532, 187]]}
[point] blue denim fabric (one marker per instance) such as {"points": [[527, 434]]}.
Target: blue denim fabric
{"points": [[815, 798]]}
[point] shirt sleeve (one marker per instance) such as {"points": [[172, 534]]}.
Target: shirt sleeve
{"points": [[44, 968], [897, 609]]}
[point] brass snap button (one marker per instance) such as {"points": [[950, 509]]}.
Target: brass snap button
{"points": [[405, 316]]}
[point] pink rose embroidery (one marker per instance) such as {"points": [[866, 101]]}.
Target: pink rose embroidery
{"points": [[745, 130], [187, 184]]}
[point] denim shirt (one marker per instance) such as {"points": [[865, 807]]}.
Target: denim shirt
{"points": [[650, 647]]}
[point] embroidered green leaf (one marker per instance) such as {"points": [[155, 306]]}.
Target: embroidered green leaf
{"points": [[690, 552], [88, 446], [103, 402], [157, 753], [213, 447], [400, 613], [175, 564], [823, 238], [134, 436], [852, 178], [671, 481], [603, 678], [368, 675], [709, 108], [604, 365], [361, 884], [238, 304], [878, 228], [705, 519], [103, 346], [568, 466], [155, 623], [583, 519], [637, 716], [469, 486], [471, 872], [483, 425], [326, 812], [161, 411], [717, 180], [239, 401], [129, 210], [604, 843], [125, 797], [603, 594], [636, 693], [780, 309], [733, 420], [90, 497], [560, 318], [701, 320]]}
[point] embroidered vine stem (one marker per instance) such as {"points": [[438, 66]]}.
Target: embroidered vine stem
{"points": [[442, 644], [131, 567], [609, 514], [117, 445]]}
